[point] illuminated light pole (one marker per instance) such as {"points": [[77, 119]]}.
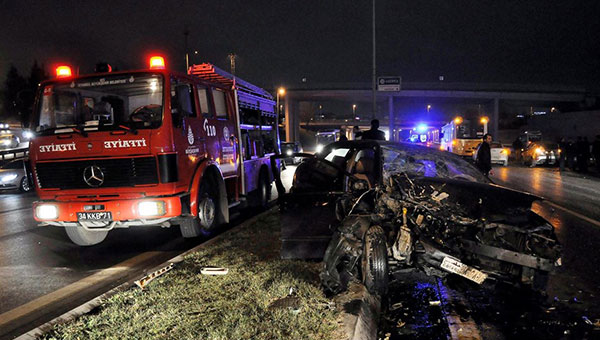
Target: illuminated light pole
{"points": [[354, 111], [280, 92], [428, 108], [484, 121]]}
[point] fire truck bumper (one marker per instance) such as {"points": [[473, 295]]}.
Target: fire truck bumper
{"points": [[108, 214]]}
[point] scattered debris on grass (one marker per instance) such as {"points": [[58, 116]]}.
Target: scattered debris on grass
{"points": [[146, 279]]}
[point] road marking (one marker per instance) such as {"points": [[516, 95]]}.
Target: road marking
{"points": [[585, 218], [13, 210], [7, 319]]}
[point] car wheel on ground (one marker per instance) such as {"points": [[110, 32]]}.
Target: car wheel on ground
{"points": [[374, 261], [25, 186]]}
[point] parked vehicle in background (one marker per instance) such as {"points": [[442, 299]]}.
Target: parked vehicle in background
{"points": [[326, 137], [461, 136], [16, 175], [536, 153], [8, 140], [529, 137], [499, 153], [289, 149]]}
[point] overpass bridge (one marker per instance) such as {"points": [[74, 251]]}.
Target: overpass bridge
{"points": [[389, 103]]}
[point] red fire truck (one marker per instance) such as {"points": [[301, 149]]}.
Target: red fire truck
{"points": [[149, 147]]}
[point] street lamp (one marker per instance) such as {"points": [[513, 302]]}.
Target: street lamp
{"points": [[428, 108], [484, 121], [280, 92], [354, 111]]}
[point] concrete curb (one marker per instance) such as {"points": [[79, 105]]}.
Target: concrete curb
{"points": [[97, 301]]}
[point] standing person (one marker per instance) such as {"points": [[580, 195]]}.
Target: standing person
{"points": [[596, 152], [585, 152], [517, 146], [356, 133], [579, 154], [570, 154], [374, 132], [484, 156], [562, 145]]}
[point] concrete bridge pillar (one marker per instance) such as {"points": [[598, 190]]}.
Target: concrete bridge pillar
{"points": [[391, 117], [495, 118], [292, 120]]}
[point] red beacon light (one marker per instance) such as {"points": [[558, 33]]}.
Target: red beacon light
{"points": [[63, 71], [157, 63]]}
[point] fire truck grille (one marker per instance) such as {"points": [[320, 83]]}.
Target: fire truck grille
{"points": [[117, 172]]}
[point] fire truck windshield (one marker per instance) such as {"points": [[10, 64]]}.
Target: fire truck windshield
{"points": [[101, 103]]}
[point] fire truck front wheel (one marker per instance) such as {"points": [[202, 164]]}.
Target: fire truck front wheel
{"points": [[207, 215], [82, 237]]}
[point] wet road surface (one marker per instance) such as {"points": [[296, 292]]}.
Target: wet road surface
{"points": [[569, 189]]}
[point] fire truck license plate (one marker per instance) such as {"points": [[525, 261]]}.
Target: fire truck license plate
{"points": [[94, 216]]}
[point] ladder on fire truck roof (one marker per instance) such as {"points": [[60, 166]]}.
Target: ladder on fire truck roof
{"points": [[212, 73]]}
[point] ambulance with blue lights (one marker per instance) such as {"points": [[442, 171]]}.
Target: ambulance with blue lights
{"points": [[149, 147]]}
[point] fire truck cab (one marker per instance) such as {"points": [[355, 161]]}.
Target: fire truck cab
{"points": [[149, 147]]}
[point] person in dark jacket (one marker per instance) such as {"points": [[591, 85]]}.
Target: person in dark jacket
{"points": [[374, 132], [484, 155], [596, 152]]}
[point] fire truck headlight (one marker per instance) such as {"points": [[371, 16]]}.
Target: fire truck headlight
{"points": [[319, 148], [46, 212], [151, 208], [289, 152]]}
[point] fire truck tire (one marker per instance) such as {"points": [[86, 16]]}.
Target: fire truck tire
{"points": [[190, 228], [264, 190], [207, 215], [374, 261], [82, 237]]}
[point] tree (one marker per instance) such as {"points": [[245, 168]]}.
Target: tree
{"points": [[27, 95], [14, 84]]}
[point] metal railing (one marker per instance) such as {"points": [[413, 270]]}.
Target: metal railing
{"points": [[10, 154]]}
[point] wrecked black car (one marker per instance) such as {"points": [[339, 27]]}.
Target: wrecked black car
{"points": [[372, 208]]}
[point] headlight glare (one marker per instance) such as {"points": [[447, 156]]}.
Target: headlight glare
{"points": [[46, 212], [151, 208], [8, 177]]}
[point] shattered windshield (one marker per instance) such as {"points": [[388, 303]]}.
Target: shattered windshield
{"points": [[101, 103], [424, 162]]}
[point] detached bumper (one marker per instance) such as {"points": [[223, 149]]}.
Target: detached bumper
{"points": [[123, 213]]}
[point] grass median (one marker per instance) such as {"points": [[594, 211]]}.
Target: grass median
{"points": [[261, 297]]}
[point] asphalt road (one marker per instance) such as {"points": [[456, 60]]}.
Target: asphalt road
{"points": [[569, 189]]}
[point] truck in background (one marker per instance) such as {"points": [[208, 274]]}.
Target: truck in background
{"points": [[149, 147]]}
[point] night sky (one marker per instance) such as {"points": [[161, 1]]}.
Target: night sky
{"points": [[281, 42]]}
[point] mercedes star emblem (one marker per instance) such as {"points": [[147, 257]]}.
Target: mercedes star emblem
{"points": [[93, 176]]}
